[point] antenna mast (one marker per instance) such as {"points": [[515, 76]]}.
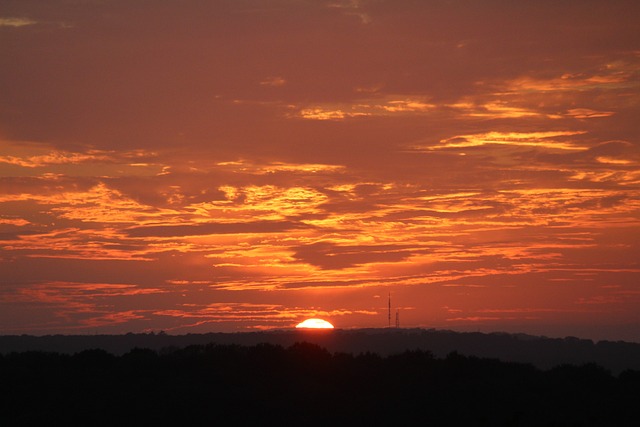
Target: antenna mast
{"points": [[389, 313], [397, 317]]}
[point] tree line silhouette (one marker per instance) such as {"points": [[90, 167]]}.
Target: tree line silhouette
{"points": [[542, 352], [305, 384]]}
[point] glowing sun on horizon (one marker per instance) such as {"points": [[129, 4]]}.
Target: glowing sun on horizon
{"points": [[314, 324]]}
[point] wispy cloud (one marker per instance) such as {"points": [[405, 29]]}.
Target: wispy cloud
{"points": [[273, 82], [212, 168], [16, 22], [547, 139], [387, 106]]}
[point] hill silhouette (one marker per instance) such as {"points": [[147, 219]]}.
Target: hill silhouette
{"points": [[305, 384], [542, 352]]}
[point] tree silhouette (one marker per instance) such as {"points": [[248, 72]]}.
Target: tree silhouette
{"points": [[305, 383]]}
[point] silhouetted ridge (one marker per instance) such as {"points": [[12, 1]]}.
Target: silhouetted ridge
{"points": [[540, 351], [305, 384]]}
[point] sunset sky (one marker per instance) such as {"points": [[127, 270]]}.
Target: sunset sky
{"points": [[236, 165]]}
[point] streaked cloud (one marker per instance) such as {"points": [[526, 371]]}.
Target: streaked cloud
{"points": [[16, 22], [586, 113], [222, 166], [614, 79], [273, 82], [548, 139], [260, 316], [366, 108], [351, 8]]}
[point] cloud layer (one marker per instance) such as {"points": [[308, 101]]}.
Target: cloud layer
{"points": [[198, 166]]}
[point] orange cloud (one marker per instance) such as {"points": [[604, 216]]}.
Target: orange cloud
{"points": [[274, 82], [587, 113], [385, 106], [334, 151], [574, 82], [16, 22], [546, 139]]}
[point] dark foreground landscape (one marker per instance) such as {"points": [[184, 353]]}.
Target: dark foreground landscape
{"points": [[306, 383]]}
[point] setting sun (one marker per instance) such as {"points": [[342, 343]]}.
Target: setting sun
{"points": [[315, 324]]}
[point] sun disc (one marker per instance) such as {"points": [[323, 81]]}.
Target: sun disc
{"points": [[314, 324]]}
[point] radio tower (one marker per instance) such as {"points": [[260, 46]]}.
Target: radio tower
{"points": [[397, 317], [389, 309]]}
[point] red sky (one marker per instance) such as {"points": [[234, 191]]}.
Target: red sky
{"points": [[196, 166]]}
